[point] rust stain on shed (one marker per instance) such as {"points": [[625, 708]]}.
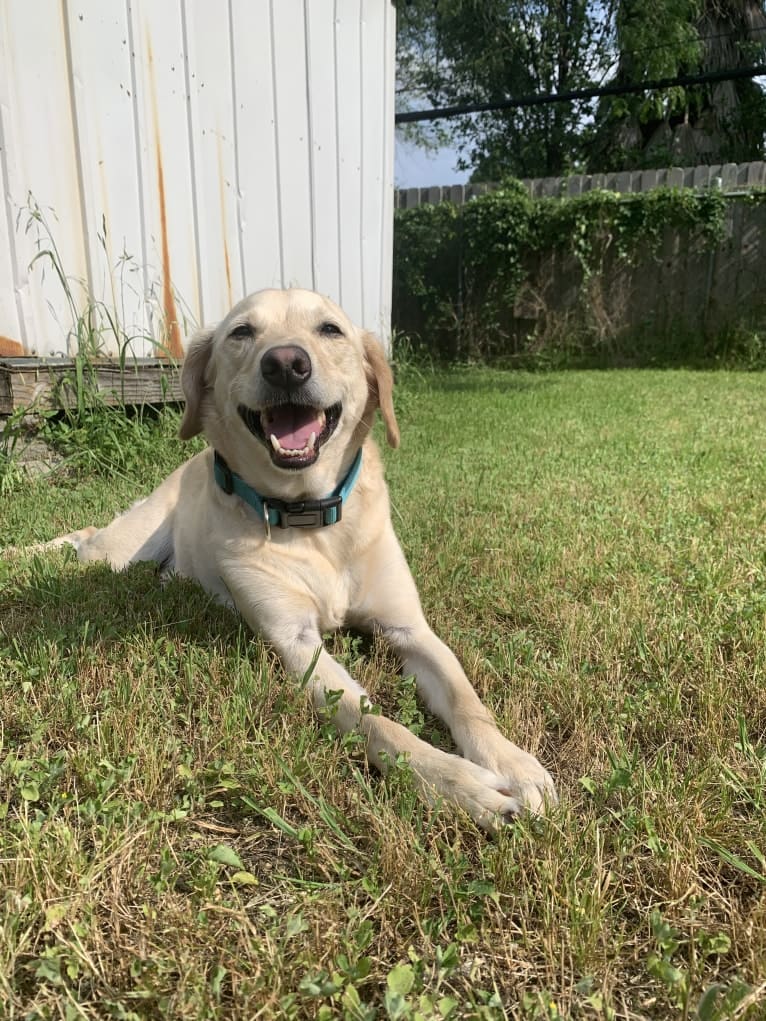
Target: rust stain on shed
{"points": [[228, 270], [10, 348], [173, 346]]}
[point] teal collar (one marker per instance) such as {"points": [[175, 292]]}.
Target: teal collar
{"points": [[299, 514]]}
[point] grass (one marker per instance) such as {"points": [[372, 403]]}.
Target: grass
{"points": [[181, 838]]}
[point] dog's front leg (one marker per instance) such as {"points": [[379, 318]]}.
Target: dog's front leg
{"points": [[291, 626], [480, 791], [448, 693], [390, 604]]}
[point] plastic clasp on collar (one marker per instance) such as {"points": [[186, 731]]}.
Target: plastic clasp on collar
{"points": [[309, 514]]}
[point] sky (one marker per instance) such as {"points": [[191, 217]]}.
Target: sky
{"points": [[416, 168]]}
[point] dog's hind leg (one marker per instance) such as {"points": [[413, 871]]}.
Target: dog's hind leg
{"points": [[143, 532]]}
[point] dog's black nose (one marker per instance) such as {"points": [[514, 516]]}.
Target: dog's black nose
{"points": [[287, 367]]}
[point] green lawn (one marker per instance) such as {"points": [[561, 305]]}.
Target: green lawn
{"points": [[181, 838]]}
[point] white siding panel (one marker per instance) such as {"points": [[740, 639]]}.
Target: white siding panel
{"points": [[382, 315], [41, 167], [323, 165], [348, 101], [259, 224], [214, 148], [166, 168], [373, 27], [293, 150], [10, 324], [105, 115], [183, 153]]}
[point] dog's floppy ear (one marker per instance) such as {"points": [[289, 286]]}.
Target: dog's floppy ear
{"points": [[194, 382], [381, 383]]}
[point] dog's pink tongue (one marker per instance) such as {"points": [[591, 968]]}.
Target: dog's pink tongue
{"points": [[293, 425]]}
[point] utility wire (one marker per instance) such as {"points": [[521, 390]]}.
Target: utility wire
{"points": [[545, 98]]}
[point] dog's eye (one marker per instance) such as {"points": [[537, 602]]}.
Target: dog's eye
{"points": [[329, 329], [242, 332]]}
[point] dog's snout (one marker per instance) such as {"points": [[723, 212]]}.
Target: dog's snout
{"points": [[287, 366]]}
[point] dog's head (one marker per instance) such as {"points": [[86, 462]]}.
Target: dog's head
{"points": [[285, 381]]}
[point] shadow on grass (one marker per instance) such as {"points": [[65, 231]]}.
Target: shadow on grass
{"points": [[55, 601], [60, 601], [126, 618]]}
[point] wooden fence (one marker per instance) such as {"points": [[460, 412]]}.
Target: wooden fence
{"points": [[684, 289], [729, 177]]}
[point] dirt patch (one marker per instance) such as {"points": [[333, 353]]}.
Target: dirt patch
{"points": [[28, 450]]}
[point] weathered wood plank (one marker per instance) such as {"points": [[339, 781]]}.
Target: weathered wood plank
{"points": [[729, 176], [44, 384]]}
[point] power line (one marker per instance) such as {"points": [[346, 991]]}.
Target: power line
{"points": [[545, 98]]}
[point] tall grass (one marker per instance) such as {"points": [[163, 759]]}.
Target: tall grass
{"points": [[87, 428], [181, 838]]}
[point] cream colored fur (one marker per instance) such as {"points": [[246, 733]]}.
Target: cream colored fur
{"points": [[303, 582]]}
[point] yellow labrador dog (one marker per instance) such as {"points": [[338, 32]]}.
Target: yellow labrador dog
{"points": [[286, 517]]}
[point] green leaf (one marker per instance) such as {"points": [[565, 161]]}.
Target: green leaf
{"points": [[446, 1005], [244, 879], [395, 1004], [352, 1002], [55, 914], [216, 980], [589, 784], [732, 859], [48, 969], [30, 791], [706, 1008], [296, 924], [401, 979], [225, 855]]}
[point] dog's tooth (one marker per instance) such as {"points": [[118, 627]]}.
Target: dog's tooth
{"points": [[275, 443], [311, 442]]}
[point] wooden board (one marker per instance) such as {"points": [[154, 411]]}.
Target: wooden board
{"points": [[40, 384]]}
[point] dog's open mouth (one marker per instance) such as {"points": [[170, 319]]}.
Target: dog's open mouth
{"points": [[292, 433]]}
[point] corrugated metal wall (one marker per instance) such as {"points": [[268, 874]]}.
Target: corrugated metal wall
{"points": [[183, 153]]}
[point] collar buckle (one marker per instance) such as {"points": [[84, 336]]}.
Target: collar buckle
{"points": [[308, 513]]}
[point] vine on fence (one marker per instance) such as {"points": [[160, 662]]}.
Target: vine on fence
{"points": [[460, 270]]}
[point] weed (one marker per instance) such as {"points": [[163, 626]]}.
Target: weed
{"points": [[11, 437]]}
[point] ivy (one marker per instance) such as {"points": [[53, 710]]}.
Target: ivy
{"points": [[459, 270], [426, 270]]}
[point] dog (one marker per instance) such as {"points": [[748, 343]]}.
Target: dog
{"points": [[285, 516]]}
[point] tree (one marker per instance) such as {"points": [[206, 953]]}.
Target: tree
{"points": [[714, 123], [454, 52]]}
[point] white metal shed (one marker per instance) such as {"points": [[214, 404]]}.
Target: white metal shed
{"points": [[183, 153]]}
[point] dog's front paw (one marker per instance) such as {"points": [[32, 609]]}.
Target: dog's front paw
{"points": [[527, 780], [486, 794]]}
